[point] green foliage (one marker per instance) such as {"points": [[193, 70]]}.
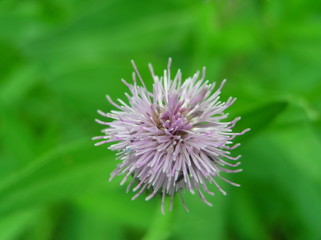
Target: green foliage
{"points": [[59, 58]]}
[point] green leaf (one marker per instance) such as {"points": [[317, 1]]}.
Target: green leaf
{"points": [[281, 176], [78, 223], [259, 119], [13, 225], [18, 84], [302, 146], [17, 134], [58, 174]]}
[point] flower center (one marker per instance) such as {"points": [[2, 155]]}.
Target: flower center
{"points": [[173, 124]]}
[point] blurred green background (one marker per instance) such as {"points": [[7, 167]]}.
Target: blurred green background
{"points": [[58, 59]]}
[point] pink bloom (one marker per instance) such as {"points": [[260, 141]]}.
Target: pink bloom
{"points": [[172, 138]]}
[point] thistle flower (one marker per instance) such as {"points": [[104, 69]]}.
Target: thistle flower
{"points": [[172, 138]]}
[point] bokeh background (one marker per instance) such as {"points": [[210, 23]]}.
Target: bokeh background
{"points": [[58, 59]]}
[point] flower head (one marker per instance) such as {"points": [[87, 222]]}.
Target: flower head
{"points": [[172, 138]]}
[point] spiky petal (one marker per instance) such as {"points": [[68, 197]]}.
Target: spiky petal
{"points": [[172, 138]]}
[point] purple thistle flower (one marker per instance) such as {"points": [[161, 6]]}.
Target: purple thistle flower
{"points": [[173, 138]]}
